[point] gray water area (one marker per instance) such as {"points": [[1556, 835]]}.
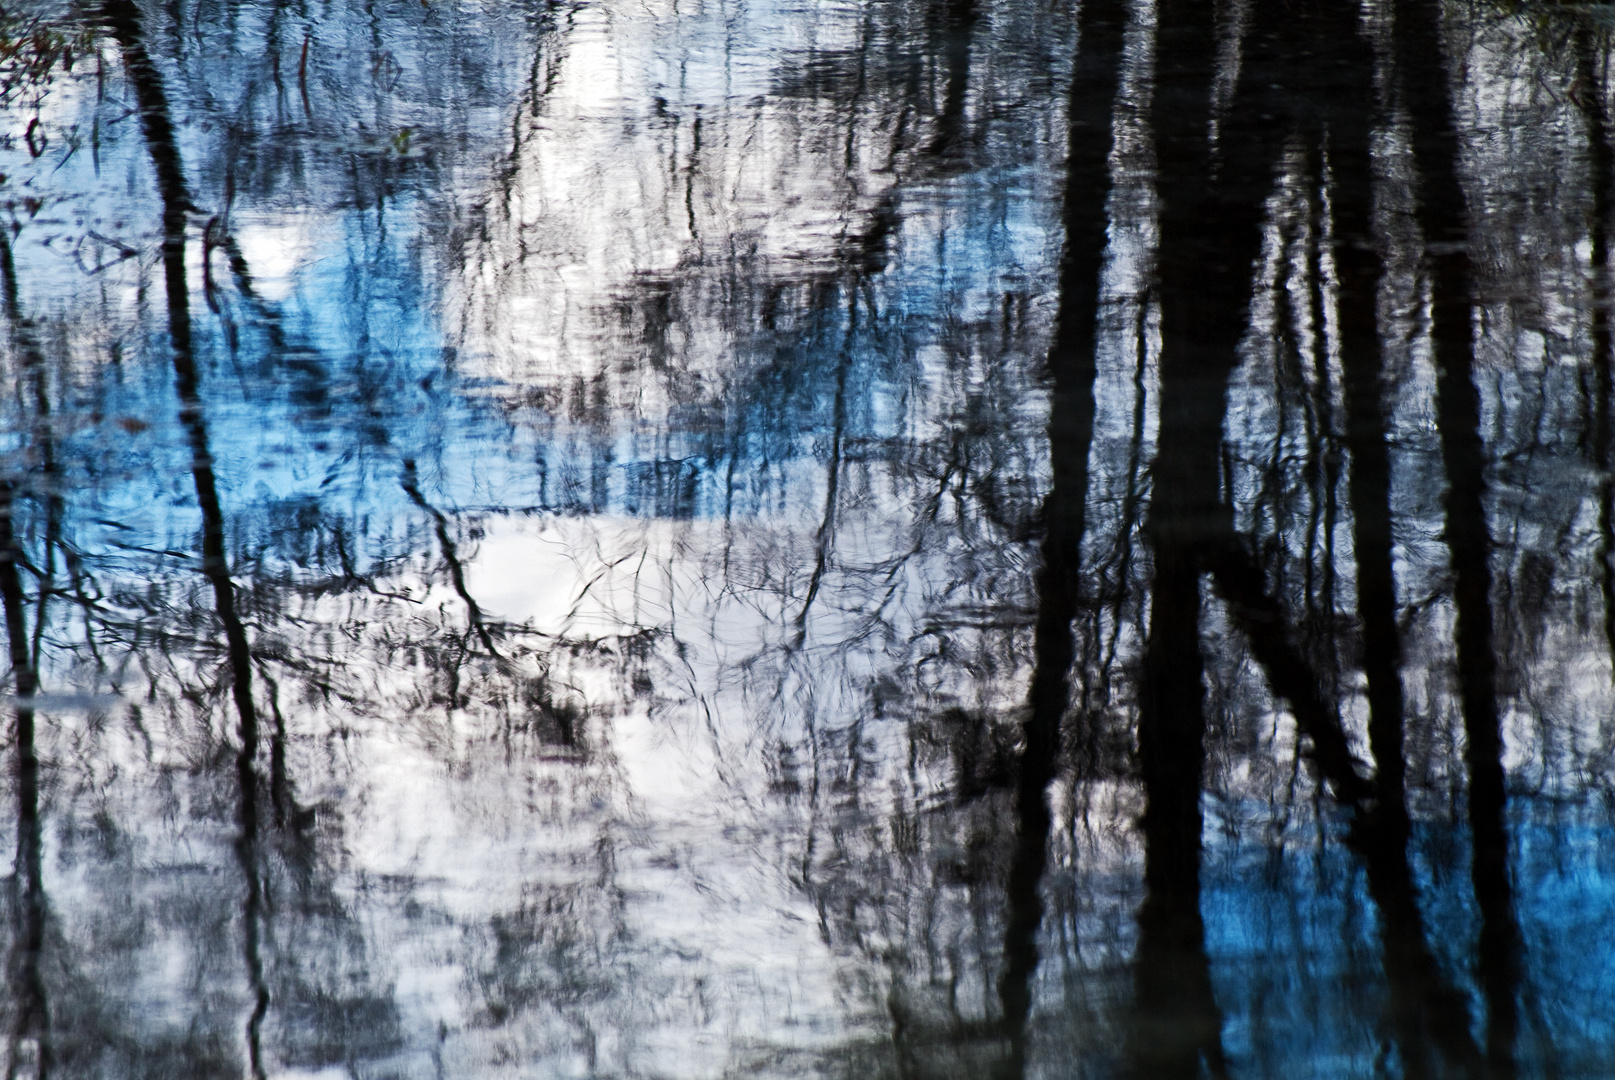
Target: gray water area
{"points": [[741, 538]]}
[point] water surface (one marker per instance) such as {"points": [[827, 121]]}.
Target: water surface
{"points": [[963, 538]]}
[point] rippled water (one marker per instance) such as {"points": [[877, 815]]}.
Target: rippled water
{"points": [[963, 538]]}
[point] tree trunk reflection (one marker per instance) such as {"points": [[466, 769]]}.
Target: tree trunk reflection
{"points": [[1072, 369], [124, 19]]}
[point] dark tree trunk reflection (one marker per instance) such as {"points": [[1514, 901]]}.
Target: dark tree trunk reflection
{"points": [[1592, 99], [1428, 1014], [1443, 222], [30, 1006], [1072, 369], [1210, 196], [124, 20]]}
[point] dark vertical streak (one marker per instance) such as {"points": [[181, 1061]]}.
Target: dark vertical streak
{"points": [[1211, 211], [1178, 1024], [1443, 214], [958, 30], [27, 987], [1072, 369], [1328, 448], [123, 18], [302, 74], [1427, 1009], [690, 172], [33, 366], [1368, 487], [1210, 235], [1602, 166]]}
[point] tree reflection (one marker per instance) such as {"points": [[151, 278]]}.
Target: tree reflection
{"points": [[1072, 369], [954, 539], [30, 1034]]}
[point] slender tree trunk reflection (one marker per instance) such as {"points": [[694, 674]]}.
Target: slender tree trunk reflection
{"points": [[1426, 1008], [1072, 368], [1590, 83], [33, 1018], [958, 30], [124, 19], [31, 1011], [1209, 239], [1442, 212]]}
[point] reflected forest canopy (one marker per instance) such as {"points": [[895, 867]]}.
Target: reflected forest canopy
{"points": [[703, 538]]}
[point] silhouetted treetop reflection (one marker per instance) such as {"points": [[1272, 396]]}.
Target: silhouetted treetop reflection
{"points": [[969, 538]]}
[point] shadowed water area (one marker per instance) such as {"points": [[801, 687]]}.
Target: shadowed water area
{"points": [[835, 538]]}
